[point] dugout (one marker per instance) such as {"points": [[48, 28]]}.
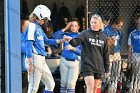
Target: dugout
{"points": [[10, 14], [64, 10]]}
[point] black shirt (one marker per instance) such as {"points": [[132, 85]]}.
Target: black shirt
{"points": [[94, 55]]}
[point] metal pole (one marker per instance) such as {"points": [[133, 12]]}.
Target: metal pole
{"points": [[86, 14]]}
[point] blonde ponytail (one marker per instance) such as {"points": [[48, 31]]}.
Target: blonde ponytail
{"points": [[32, 17]]}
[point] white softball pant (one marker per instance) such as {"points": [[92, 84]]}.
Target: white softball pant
{"points": [[69, 71], [115, 71], [135, 81], [41, 72]]}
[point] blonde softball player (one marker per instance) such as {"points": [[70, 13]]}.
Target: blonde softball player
{"points": [[35, 50]]}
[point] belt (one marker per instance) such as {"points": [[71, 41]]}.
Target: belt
{"points": [[70, 59], [38, 54]]}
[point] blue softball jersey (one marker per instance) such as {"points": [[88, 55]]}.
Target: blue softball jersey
{"points": [[23, 50], [109, 32], [134, 41], [36, 40], [23, 40], [68, 54]]}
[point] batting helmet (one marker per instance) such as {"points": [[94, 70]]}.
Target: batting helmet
{"points": [[42, 12]]}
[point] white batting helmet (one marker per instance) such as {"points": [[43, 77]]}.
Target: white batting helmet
{"points": [[42, 12]]}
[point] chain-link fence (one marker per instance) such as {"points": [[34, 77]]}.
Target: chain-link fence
{"points": [[123, 77], [124, 50]]}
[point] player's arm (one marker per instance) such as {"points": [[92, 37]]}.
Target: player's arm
{"points": [[129, 52], [60, 33], [110, 41], [129, 47], [48, 41], [29, 44]]}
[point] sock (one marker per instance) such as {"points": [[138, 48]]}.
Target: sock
{"points": [[62, 89], [71, 90], [45, 91]]}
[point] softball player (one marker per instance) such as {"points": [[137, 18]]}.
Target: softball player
{"points": [[114, 34], [35, 50], [69, 66], [134, 56]]}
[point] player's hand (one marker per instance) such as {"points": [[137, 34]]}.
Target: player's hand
{"points": [[30, 68], [67, 38], [67, 27], [69, 47], [30, 65]]}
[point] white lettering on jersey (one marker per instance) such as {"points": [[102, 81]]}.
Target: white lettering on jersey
{"points": [[96, 42], [137, 37]]}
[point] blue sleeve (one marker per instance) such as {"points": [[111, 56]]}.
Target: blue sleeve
{"points": [[48, 41], [23, 45], [23, 50], [106, 30], [78, 50], [58, 34], [121, 37], [29, 45], [130, 39]]}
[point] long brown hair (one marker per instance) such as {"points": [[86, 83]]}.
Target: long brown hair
{"points": [[116, 20]]}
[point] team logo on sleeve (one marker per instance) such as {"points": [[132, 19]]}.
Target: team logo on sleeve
{"points": [[39, 37], [137, 37]]}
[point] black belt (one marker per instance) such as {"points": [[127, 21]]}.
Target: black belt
{"points": [[70, 59], [38, 54]]}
